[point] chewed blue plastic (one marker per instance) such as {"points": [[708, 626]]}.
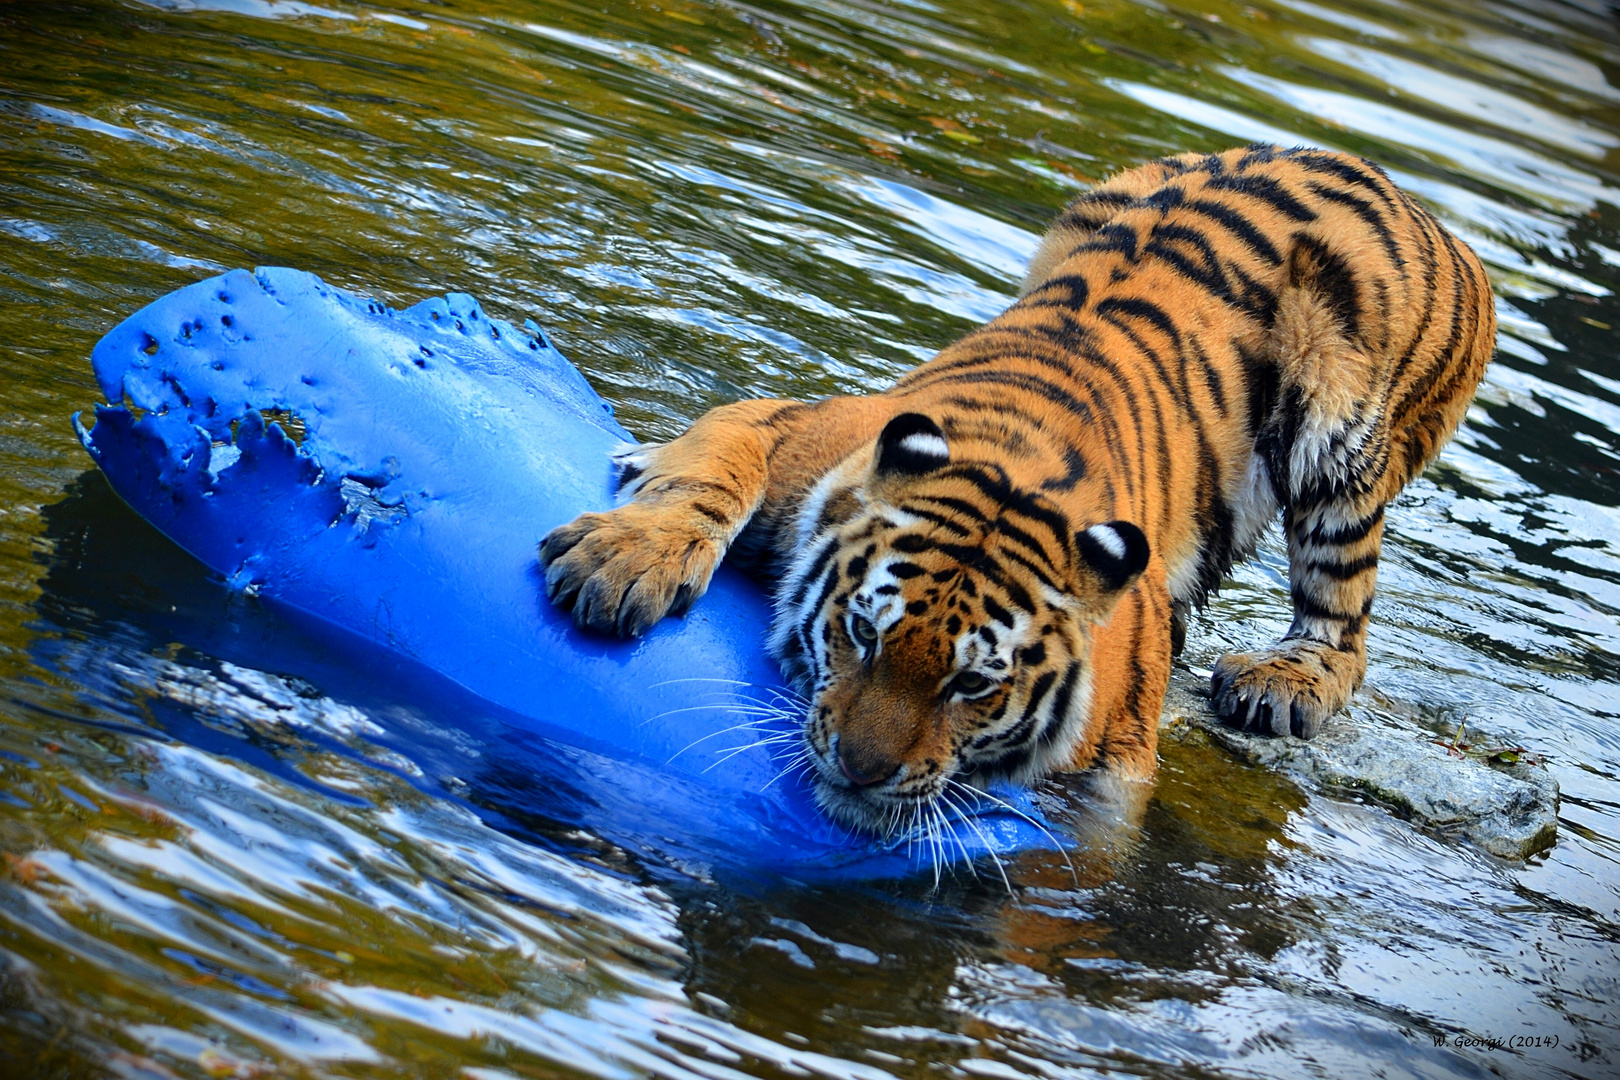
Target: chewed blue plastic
{"points": [[413, 460]]}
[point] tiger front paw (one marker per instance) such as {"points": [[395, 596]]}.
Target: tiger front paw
{"points": [[1289, 689], [620, 572]]}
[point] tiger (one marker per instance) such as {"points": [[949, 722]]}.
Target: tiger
{"points": [[983, 573]]}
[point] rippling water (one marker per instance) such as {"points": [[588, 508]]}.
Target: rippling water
{"points": [[217, 871]]}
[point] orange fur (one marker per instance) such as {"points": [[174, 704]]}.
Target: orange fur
{"points": [[1200, 343]]}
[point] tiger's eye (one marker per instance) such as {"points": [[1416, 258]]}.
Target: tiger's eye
{"points": [[864, 630], [969, 682]]}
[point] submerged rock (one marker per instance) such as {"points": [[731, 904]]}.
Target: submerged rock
{"points": [[1508, 809]]}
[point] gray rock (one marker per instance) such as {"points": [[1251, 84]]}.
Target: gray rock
{"points": [[1510, 811]]}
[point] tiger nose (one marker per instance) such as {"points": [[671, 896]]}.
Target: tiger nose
{"points": [[864, 768]]}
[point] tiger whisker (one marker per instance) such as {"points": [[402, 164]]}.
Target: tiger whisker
{"points": [[734, 751], [769, 740], [758, 710], [748, 725], [944, 822], [798, 761], [1013, 810], [926, 838], [938, 843], [965, 815], [696, 678], [781, 700], [891, 821]]}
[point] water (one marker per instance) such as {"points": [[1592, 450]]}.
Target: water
{"points": [[213, 871]]}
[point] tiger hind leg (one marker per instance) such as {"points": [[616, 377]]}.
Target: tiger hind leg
{"points": [[1326, 446], [1292, 687]]}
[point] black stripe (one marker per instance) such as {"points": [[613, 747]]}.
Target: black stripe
{"points": [[1116, 236], [1000, 491], [776, 420], [1000, 407], [953, 369], [1178, 390], [1060, 705], [1426, 227], [1261, 379], [1238, 225], [936, 517], [1367, 213], [1016, 736], [1454, 360], [1017, 535], [1073, 474], [1257, 154], [1307, 605], [1108, 201], [1333, 165], [1449, 352], [1101, 365], [1266, 190], [1066, 335], [1133, 695], [1180, 396], [1077, 290], [961, 506], [1045, 578], [1208, 274], [803, 589], [997, 612], [1142, 309], [813, 614], [1255, 298], [982, 561], [1166, 198], [1343, 571], [1105, 197], [1315, 266], [1345, 534], [1323, 490], [1037, 694], [1212, 374]]}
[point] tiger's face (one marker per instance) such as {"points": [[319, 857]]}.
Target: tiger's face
{"points": [[938, 621]]}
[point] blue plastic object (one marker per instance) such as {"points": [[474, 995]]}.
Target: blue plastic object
{"points": [[389, 474]]}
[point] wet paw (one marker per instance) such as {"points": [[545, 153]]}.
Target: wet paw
{"points": [[622, 571], [1287, 690]]}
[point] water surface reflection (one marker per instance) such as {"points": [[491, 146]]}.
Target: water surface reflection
{"points": [[302, 868]]}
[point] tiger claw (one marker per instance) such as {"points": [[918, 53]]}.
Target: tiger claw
{"points": [[620, 572], [1288, 690]]}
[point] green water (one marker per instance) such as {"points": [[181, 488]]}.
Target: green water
{"points": [[211, 872]]}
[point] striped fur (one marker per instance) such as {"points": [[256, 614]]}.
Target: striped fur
{"points": [[984, 572]]}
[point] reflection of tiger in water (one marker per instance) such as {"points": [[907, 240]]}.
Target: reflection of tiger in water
{"points": [[985, 571]]}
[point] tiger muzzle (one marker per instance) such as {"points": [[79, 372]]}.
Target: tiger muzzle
{"points": [[864, 765]]}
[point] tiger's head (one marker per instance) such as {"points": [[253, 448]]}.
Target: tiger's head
{"points": [[938, 620]]}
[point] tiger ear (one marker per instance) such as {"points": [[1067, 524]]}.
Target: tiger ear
{"points": [[911, 445], [1111, 555]]}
